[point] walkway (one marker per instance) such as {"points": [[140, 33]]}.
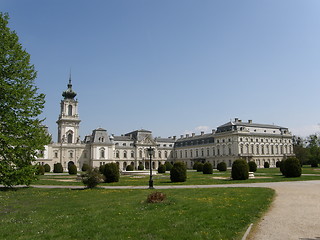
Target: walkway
{"points": [[294, 214]]}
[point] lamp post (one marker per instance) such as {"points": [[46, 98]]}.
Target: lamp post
{"points": [[150, 152]]}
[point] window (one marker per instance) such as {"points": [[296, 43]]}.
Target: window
{"points": [[197, 153], [230, 151], [165, 154], [125, 154], [202, 153], [140, 153], [70, 110], [208, 152], [186, 153], [132, 154], [117, 154], [159, 154], [191, 153], [71, 154], [70, 136], [56, 154], [102, 153], [180, 154], [257, 149], [124, 144], [262, 149]]}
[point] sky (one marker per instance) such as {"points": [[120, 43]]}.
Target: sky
{"points": [[175, 66]]}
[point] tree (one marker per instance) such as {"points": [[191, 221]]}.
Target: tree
{"points": [[21, 132]]}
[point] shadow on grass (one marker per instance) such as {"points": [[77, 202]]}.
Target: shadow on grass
{"points": [[6, 189]]}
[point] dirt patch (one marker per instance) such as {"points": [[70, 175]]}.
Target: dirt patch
{"points": [[63, 180]]}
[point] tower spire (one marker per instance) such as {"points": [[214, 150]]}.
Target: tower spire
{"points": [[69, 93]]}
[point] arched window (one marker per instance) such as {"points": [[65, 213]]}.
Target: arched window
{"points": [[70, 137], [125, 154], [132, 154], [159, 154], [165, 154], [117, 154], [140, 153], [70, 110], [102, 153]]}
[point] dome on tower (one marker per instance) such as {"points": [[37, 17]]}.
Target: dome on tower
{"points": [[69, 93]]}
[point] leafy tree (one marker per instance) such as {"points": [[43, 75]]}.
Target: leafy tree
{"points": [[21, 131]]}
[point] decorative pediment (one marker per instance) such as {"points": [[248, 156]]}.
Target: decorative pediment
{"points": [[147, 141]]}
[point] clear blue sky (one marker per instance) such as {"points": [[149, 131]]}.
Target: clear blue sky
{"points": [[175, 66]]}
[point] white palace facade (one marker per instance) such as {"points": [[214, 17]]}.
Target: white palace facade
{"points": [[235, 139]]}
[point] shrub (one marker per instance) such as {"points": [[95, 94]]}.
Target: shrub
{"points": [[72, 169], [140, 167], [129, 168], [40, 170], [266, 165], [47, 168], [292, 167], [156, 197], [85, 167], [195, 166], [92, 177], [314, 163], [168, 166], [282, 170], [278, 164], [178, 172], [161, 168], [252, 166], [240, 170], [101, 168], [222, 166], [207, 168], [111, 172], [57, 168], [199, 167]]}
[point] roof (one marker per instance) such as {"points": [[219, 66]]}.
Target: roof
{"points": [[249, 124]]}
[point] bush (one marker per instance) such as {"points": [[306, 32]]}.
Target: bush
{"points": [[101, 168], [92, 177], [156, 197], [282, 170], [240, 170], [140, 167], [85, 167], [47, 168], [111, 172], [314, 163], [161, 168], [57, 168], [195, 166], [292, 167], [199, 167], [222, 166], [252, 166], [72, 169], [129, 168], [266, 165], [178, 172], [168, 166], [278, 164], [40, 170], [207, 168]]}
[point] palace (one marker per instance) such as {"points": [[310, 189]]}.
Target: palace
{"points": [[235, 139]]}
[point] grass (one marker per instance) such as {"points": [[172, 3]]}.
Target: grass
{"points": [[193, 178], [221, 213]]}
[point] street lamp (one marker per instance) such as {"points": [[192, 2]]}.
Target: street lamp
{"points": [[150, 152]]}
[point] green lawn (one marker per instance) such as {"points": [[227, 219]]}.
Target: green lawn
{"points": [[262, 175], [221, 213]]}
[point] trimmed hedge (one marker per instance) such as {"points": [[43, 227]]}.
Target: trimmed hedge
{"points": [[240, 170], [85, 167], [252, 166], [168, 166], [266, 165], [195, 166], [129, 168], [292, 167], [91, 178], [111, 172], [101, 168], [140, 167], [199, 167], [40, 170], [161, 168], [47, 168], [278, 164], [207, 168], [314, 163], [72, 169], [57, 168], [178, 172], [222, 166]]}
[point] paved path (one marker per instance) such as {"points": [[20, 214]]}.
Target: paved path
{"points": [[294, 214]]}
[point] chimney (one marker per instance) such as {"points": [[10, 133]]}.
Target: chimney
{"points": [[202, 133], [187, 135], [250, 121], [236, 119], [193, 134], [174, 137], [213, 131], [181, 136]]}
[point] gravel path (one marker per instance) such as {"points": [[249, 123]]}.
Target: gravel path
{"points": [[294, 214]]}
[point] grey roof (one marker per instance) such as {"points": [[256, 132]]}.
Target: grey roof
{"points": [[247, 124], [196, 137], [169, 140], [122, 138]]}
